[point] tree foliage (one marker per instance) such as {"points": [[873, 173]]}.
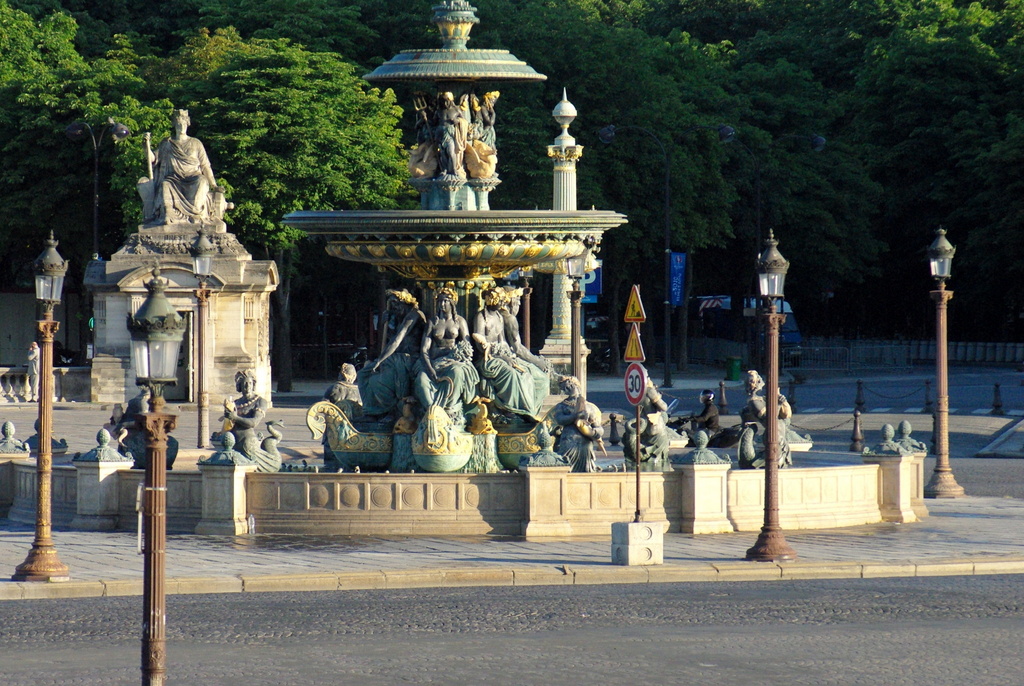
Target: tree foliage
{"points": [[920, 104]]}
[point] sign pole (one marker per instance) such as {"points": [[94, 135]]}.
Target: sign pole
{"points": [[637, 517], [636, 390]]}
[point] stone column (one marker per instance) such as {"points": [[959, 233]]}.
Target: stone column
{"points": [[705, 492], [900, 483], [97, 508], [547, 491], [564, 154], [224, 504]]}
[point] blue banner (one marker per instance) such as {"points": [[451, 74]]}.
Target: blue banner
{"points": [[592, 284], [678, 278]]}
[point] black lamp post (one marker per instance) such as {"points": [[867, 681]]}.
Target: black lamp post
{"points": [[156, 331], [575, 268], [77, 132], [607, 135], [42, 563], [771, 271], [203, 251], [942, 483]]}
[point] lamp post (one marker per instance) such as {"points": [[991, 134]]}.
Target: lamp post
{"points": [[156, 331], [202, 266], [77, 132], [42, 563], [771, 270], [575, 268], [607, 135], [942, 483]]}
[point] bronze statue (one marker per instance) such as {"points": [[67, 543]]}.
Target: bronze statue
{"points": [[132, 438], [888, 446], [655, 438], [581, 430], [243, 415], [383, 384], [345, 393], [515, 384], [904, 439], [451, 133], [447, 376]]}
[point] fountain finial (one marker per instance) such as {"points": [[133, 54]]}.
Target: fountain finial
{"points": [[564, 113], [455, 19]]}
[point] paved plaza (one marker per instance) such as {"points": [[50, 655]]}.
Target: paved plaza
{"points": [[980, 534]]}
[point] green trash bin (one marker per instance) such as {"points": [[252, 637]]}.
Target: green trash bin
{"points": [[733, 368]]}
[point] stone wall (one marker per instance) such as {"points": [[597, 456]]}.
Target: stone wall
{"points": [[426, 504], [538, 503]]}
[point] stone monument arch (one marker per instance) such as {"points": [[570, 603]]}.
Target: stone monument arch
{"points": [[238, 327]]}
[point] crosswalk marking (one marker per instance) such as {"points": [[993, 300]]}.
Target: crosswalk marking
{"points": [[895, 410]]}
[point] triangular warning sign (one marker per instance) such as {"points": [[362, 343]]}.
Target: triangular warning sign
{"points": [[634, 348], [635, 308]]}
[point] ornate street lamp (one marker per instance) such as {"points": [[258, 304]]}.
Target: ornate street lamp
{"points": [[76, 132], [42, 563], [575, 268], [607, 135], [202, 251], [942, 483], [156, 331], [771, 271]]}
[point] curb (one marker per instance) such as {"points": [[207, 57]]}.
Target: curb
{"points": [[731, 571]]}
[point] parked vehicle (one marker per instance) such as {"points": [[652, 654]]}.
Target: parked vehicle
{"points": [[711, 316]]}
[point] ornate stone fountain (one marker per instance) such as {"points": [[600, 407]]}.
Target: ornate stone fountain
{"points": [[454, 242]]}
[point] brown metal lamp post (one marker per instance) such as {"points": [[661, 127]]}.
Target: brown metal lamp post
{"points": [[202, 266], [156, 331], [575, 268], [771, 270], [942, 483], [42, 563]]}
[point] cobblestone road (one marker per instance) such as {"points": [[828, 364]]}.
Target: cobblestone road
{"points": [[951, 630]]}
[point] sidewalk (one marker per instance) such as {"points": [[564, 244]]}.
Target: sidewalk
{"points": [[972, 535], [967, 536]]}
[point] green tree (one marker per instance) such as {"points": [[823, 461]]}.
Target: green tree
{"points": [[291, 130], [47, 180]]}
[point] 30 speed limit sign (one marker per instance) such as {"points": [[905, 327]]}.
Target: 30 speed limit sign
{"points": [[636, 383]]}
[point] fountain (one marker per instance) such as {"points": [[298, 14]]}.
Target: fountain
{"points": [[457, 245]]}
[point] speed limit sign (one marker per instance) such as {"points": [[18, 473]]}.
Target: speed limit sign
{"points": [[636, 383]]}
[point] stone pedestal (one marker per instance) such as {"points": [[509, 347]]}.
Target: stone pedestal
{"points": [[705, 505], [917, 486], [7, 481], [224, 505], [238, 324], [900, 483], [546, 502], [97, 506], [638, 543]]}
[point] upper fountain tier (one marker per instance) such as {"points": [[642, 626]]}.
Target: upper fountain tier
{"points": [[453, 62]]}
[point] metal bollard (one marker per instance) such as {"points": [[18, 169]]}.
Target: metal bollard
{"points": [[723, 405], [859, 401], [613, 433], [857, 437], [997, 402], [929, 406]]}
